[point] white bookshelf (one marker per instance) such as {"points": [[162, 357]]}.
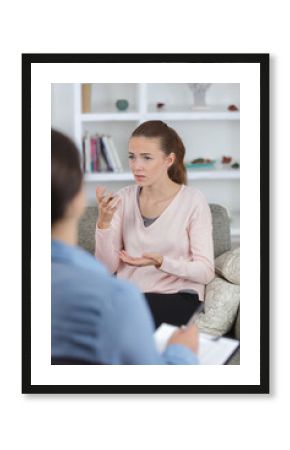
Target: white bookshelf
{"points": [[191, 175], [110, 117], [206, 133], [164, 115]]}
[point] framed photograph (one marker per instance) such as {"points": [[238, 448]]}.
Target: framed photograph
{"points": [[218, 104]]}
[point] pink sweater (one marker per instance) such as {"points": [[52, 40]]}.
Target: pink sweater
{"points": [[182, 234]]}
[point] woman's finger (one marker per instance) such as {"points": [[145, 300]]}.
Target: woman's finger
{"points": [[126, 260], [104, 201], [115, 201], [107, 199], [99, 193]]}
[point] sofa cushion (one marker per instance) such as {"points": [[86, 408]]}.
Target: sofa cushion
{"points": [[222, 301], [228, 265]]}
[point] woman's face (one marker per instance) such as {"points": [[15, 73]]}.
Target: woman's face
{"points": [[147, 161]]}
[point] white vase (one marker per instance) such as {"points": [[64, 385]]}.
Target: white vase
{"points": [[199, 94]]}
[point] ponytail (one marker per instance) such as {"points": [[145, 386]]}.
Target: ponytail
{"points": [[177, 173]]}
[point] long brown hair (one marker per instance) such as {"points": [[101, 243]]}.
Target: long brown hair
{"points": [[170, 142]]}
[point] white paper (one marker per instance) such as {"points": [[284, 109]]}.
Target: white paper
{"points": [[212, 350]]}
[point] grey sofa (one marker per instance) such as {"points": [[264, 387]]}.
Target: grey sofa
{"points": [[222, 313]]}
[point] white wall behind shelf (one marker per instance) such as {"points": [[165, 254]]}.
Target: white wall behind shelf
{"points": [[110, 113], [180, 113], [110, 116], [198, 174], [179, 93], [105, 95]]}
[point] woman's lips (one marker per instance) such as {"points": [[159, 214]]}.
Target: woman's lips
{"points": [[139, 177]]}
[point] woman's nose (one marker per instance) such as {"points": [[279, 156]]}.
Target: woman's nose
{"points": [[137, 164]]}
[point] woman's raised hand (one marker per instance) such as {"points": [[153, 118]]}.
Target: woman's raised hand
{"points": [[107, 204]]}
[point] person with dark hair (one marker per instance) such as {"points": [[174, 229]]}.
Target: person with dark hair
{"points": [[96, 318], [158, 233]]}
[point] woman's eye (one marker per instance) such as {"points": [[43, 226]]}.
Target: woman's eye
{"points": [[145, 157]]}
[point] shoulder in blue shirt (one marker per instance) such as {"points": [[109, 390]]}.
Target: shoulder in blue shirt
{"points": [[100, 319]]}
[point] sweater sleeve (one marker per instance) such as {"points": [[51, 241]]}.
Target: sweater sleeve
{"points": [[200, 267], [108, 241]]}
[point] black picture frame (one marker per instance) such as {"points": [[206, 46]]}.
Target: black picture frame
{"points": [[247, 58]]}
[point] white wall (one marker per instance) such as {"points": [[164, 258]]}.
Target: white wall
{"points": [[62, 108]]}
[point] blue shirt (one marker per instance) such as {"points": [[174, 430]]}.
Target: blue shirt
{"points": [[98, 318]]}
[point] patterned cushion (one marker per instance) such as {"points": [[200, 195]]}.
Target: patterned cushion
{"points": [[222, 301], [228, 265]]}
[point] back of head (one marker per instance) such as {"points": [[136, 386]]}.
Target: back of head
{"points": [[170, 142], [66, 174]]}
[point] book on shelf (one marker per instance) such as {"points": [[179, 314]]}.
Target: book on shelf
{"points": [[115, 154], [87, 153], [103, 165], [105, 155], [86, 97], [109, 153], [100, 154], [95, 159]]}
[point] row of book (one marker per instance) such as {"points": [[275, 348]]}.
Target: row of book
{"points": [[100, 154]]}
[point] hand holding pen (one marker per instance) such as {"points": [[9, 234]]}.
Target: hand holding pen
{"points": [[187, 335]]}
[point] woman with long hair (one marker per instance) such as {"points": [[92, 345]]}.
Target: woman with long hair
{"points": [[158, 232]]}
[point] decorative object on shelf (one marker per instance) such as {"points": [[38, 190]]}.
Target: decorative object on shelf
{"points": [[200, 163], [199, 92], [86, 97], [122, 104], [160, 105], [233, 108], [226, 159]]}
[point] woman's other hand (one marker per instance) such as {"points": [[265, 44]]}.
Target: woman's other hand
{"points": [[147, 259], [107, 205]]}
